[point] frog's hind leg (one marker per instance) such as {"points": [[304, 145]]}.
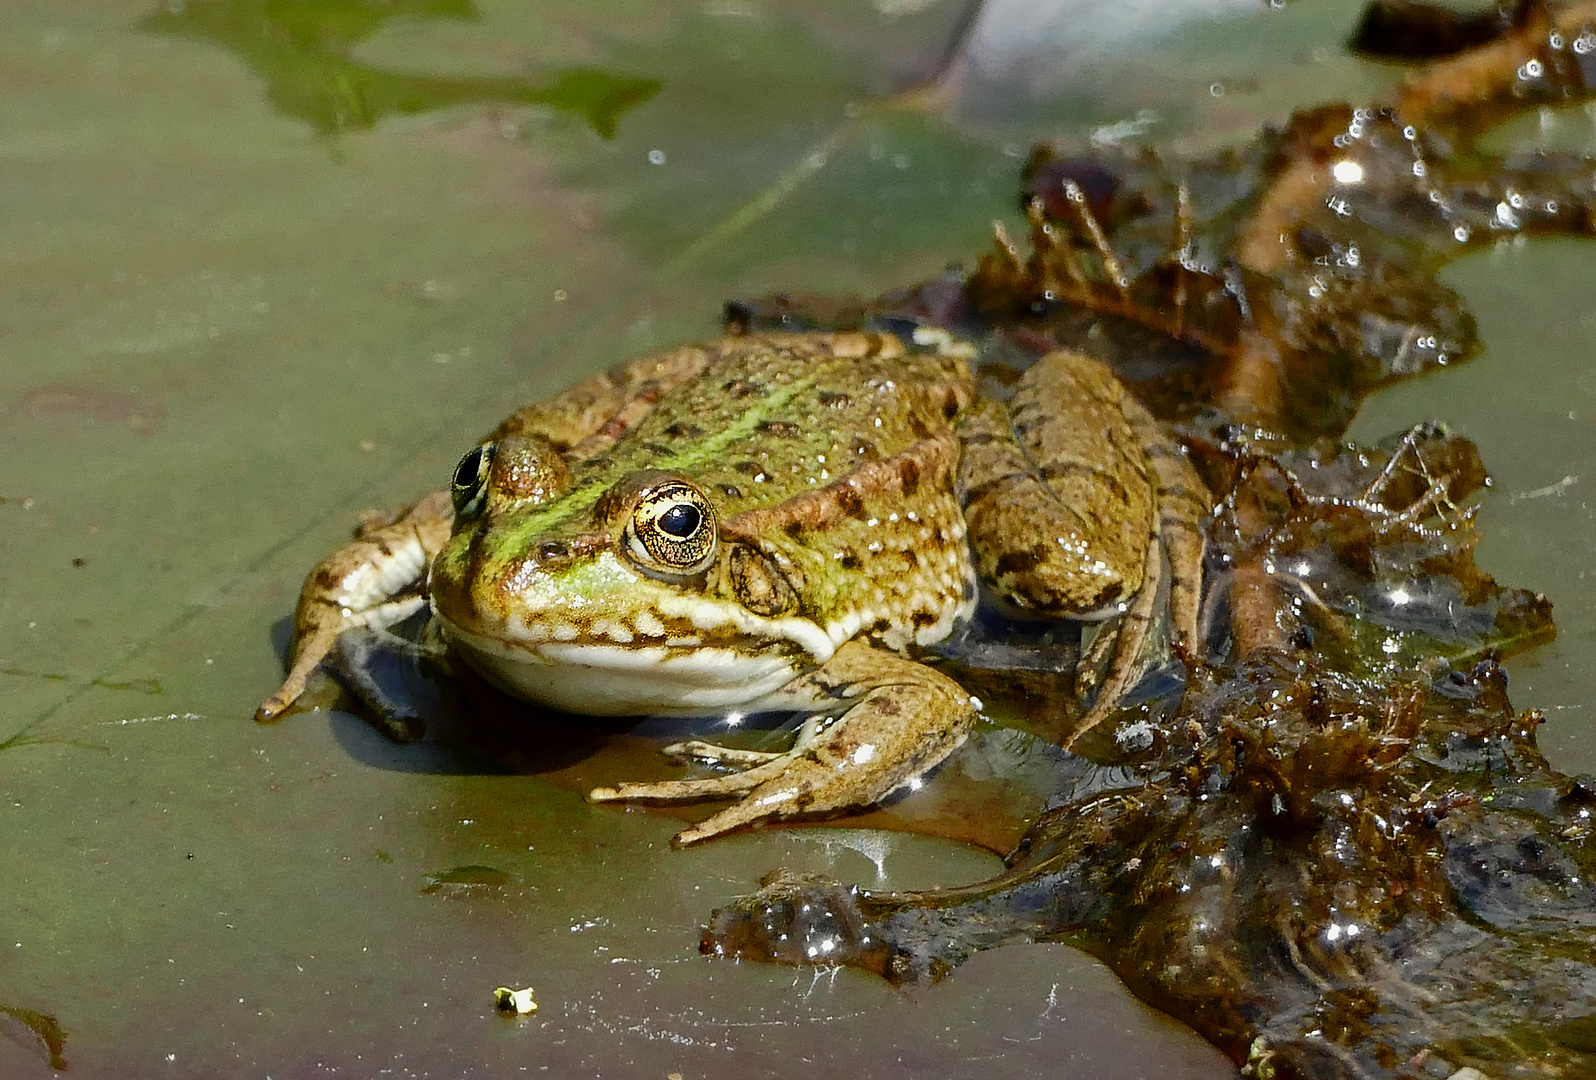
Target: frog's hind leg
{"points": [[1077, 463], [1184, 501], [1119, 645], [1055, 493], [1061, 495], [899, 720]]}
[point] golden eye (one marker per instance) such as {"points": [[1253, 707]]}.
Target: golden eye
{"points": [[672, 530], [470, 481]]}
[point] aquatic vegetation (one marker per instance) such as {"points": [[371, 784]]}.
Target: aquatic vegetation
{"points": [[303, 51], [1335, 850]]}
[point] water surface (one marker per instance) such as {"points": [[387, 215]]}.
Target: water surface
{"points": [[267, 264]]}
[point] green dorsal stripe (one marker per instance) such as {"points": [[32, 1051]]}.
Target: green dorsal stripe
{"points": [[703, 449], [711, 446]]}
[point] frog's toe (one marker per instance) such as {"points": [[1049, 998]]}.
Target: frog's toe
{"points": [[797, 791], [791, 785], [707, 787], [309, 651], [743, 814], [272, 709], [812, 785], [696, 750]]}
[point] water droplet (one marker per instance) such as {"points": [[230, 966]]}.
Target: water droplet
{"points": [[1347, 172]]}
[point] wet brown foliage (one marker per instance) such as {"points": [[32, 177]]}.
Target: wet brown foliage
{"points": [[1336, 851]]}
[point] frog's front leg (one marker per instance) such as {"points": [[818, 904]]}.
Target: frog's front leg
{"points": [[369, 581], [899, 719]]}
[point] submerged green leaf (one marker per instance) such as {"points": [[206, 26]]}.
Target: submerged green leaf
{"points": [[302, 51]]}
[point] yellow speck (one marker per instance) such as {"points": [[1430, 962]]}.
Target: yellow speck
{"points": [[514, 1001]]}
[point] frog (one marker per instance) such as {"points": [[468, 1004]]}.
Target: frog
{"points": [[784, 521]]}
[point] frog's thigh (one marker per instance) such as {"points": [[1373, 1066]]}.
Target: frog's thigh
{"points": [[901, 719], [356, 585], [1057, 491]]}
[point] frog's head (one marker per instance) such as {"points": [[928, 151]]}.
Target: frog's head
{"points": [[613, 597]]}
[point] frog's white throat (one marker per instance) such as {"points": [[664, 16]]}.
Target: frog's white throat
{"points": [[617, 680]]}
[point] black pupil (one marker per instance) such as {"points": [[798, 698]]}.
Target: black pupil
{"points": [[681, 520], [470, 467]]}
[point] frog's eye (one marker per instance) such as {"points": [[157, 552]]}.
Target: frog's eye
{"points": [[470, 481], [672, 531]]}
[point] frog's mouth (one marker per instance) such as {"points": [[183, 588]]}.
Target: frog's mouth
{"points": [[616, 680], [601, 639]]}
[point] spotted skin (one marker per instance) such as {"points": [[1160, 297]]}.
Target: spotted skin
{"points": [[780, 521]]}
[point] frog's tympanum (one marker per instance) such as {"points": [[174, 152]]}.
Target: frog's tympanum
{"points": [[778, 522]]}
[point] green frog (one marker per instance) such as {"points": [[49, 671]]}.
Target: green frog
{"points": [[780, 521]]}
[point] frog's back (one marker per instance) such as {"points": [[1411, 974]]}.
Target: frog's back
{"points": [[773, 418], [835, 459]]}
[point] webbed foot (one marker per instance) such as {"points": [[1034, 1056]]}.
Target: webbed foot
{"points": [[899, 720]]}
